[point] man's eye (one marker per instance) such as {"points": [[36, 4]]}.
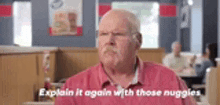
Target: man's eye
{"points": [[103, 34], [118, 34]]}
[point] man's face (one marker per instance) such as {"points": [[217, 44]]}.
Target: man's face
{"points": [[177, 48], [116, 44]]}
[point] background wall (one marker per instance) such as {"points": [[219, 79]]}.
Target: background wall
{"points": [[196, 24], [6, 26], [184, 35], [6, 33], [209, 22], [168, 24], [218, 29]]}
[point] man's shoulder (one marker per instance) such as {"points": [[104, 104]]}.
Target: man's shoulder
{"points": [[169, 56], [158, 68], [81, 78], [160, 75]]}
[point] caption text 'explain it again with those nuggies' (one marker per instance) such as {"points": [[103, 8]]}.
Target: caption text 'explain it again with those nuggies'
{"points": [[119, 93]]}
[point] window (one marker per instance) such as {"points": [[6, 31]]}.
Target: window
{"points": [[22, 23], [148, 13]]}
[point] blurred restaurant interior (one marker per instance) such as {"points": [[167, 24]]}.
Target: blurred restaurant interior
{"points": [[37, 49]]}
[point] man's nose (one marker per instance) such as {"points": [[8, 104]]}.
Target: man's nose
{"points": [[111, 39]]}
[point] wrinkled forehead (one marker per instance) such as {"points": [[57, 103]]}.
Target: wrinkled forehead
{"points": [[114, 22]]}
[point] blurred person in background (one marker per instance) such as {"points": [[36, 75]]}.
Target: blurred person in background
{"points": [[211, 51], [197, 60], [175, 60]]}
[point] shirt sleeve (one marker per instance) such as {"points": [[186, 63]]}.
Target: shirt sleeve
{"points": [[189, 100]]}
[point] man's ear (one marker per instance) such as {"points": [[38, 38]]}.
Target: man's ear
{"points": [[139, 39]]}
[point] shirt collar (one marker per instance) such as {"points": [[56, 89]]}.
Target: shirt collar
{"points": [[138, 78], [175, 56]]}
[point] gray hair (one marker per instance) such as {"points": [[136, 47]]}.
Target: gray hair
{"points": [[132, 19]]}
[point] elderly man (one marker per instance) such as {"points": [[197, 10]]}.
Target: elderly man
{"points": [[175, 60], [120, 68]]}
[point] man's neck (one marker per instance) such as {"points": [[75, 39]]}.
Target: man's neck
{"points": [[123, 75], [176, 54]]}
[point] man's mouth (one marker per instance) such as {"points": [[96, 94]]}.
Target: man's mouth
{"points": [[110, 49], [110, 52]]}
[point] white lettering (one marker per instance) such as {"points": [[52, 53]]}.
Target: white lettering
{"points": [[41, 93]]}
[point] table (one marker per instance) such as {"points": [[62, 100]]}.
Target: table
{"points": [[190, 77], [182, 75], [189, 72]]}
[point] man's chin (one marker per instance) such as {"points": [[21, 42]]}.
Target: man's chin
{"points": [[110, 61]]}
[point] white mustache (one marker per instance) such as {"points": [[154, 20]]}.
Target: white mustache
{"points": [[110, 48]]}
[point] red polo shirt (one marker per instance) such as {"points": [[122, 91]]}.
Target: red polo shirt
{"points": [[150, 77]]}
